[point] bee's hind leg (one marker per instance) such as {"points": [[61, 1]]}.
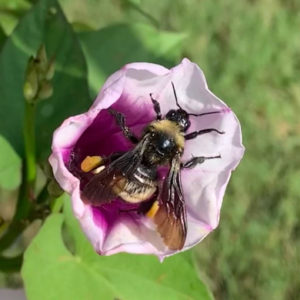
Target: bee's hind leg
{"points": [[120, 119], [129, 210], [92, 163], [197, 160]]}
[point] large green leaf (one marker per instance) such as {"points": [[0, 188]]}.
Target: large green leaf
{"points": [[108, 49], [44, 23], [51, 271], [10, 166]]}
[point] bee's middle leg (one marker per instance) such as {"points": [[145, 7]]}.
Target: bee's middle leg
{"points": [[194, 134], [197, 160], [121, 121]]}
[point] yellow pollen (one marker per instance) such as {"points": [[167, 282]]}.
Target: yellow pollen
{"points": [[153, 210], [90, 163]]}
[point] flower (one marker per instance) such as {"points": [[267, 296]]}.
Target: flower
{"points": [[96, 133]]}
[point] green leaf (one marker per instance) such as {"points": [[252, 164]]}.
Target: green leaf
{"points": [[2, 38], [44, 24], [108, 49], [57, 204], [133, 2], [51, 271], [10, 166], [10, 12]]}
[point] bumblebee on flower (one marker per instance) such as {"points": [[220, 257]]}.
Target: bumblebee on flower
{"points": [[155, 182]]}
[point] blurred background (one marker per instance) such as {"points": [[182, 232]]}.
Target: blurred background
{"points": [[250, 54]]}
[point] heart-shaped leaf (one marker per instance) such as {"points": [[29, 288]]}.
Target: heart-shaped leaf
{"points": [[51, 271]]}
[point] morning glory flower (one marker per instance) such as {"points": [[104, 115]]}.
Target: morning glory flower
{"points": [[115, 226]]}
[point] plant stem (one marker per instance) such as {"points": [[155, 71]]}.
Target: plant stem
{"points": [[29, 140], [11, 264], [18, 224], [43, 195], [26, 193], [13, 231]]}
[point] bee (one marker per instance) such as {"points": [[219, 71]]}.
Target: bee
{"points": [[133, 176]]}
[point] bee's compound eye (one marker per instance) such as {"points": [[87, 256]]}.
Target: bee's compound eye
{"points": [[166, 144], [171, 114]]}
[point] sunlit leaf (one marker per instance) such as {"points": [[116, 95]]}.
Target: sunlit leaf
{"points": [[10, 166], [86, 275]]}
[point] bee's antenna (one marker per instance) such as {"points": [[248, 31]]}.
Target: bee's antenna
{"points": [[207, 113], [195, 115], [176, 99]]}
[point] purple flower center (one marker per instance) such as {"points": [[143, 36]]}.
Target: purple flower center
{"points": [[103, 138]]}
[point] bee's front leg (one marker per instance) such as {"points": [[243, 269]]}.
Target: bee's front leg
{"points": [[120, 119], [194, 134], [156, 107], [197, 160]]}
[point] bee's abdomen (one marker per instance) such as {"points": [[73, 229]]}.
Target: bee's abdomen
{"points": [[140, 187]]}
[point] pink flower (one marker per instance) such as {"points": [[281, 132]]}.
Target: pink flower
{"points": [[112, 229]]}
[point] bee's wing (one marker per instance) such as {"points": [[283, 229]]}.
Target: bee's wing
{"points": [[99, 189], [170, 217]]}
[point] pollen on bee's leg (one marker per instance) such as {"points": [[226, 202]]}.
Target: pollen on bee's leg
{"points": [[153, 210], [90, 163]]}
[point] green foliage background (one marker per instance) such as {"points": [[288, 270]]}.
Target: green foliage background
{"points": [[249, 52]]}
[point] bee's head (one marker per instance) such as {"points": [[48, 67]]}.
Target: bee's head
{"points": [[180, 117]]}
